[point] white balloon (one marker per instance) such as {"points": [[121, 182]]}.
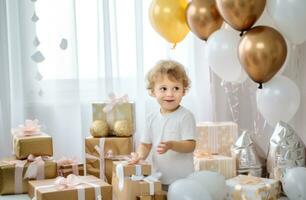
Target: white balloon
{"points": [[213, 182], [187, 189], [222, 55], [294, 183], [290, 17], [278, 100]]}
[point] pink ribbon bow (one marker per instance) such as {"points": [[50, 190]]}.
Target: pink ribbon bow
{"points": [[36, 169], [113, 100], [70, 182], [30, 128]]}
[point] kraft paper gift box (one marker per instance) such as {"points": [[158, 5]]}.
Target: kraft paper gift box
{"points": [[132, 169], [131, 189], [87, 188], [97, 151], [28, 139], [12, 174], [159, 196], [222, 164], [37, 145], [131, 180], [252, 188], [65, 170], [120, 111], [216, 137]]}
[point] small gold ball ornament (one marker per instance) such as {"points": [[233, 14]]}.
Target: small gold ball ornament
{"points": [[122, 128], [99, 128]]}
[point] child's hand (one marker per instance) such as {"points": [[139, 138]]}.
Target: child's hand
{"points": [[135, 158], [163, 147]]}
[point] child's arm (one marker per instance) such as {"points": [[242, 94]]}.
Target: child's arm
{"points": [[185, 146], [142, 153], [144, 150]]}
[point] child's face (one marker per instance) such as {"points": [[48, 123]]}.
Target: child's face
{"points": [[168, 93]]}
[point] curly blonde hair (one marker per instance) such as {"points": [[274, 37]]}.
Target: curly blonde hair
{"points": [[174, 70]]}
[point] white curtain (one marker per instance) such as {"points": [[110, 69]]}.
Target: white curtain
{"points": [[59, 56]]}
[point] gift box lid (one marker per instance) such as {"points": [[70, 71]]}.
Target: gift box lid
{"points": [[132, 169]]}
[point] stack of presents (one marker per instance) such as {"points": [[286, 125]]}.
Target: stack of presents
{"points": [[248, 176], [109, 176]]}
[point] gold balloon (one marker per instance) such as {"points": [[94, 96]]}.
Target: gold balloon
{"points": [[99, 128], [203, 18], [241, 14], [168, 19], [262, 52]]}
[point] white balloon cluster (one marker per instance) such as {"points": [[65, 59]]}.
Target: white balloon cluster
{"points": [[198, 186], [294, 183]]}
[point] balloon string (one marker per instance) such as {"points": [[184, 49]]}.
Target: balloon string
{"points": [[174, 45], [241, 33]]}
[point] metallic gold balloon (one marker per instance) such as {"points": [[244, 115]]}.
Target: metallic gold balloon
{"points": [[203, 18], [168, 19], [241, 14], [262, 52]]}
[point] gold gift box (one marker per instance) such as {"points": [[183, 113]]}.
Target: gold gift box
{"points": [[7, 175], [117, 145], [222, 164], [132, 189], [65, 170], [130, 169], [53, 192], [252, 188], [161, 196], [216, 137], [121, 111], [38, 145]]}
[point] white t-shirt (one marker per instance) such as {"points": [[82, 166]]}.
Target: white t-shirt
{"points": [[178, 125]]}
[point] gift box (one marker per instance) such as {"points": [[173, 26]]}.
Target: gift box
{"points": [[133, 188], [252, 188], [161, 196], [222, 164], [131, 180], [12, 173], [65, 170], [83, 187], [115, 114], [38, 145], [99, 152], [216, 137], [131, 169], [28, 139]]}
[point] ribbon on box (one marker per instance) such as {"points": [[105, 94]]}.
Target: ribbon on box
{"points": [[30, 128], [36, 168], [149, 179], [202, 154], [120, 170], [19, 166], [252, 180], [72, 181], [101, 158], [68, 161], [112, 102]]}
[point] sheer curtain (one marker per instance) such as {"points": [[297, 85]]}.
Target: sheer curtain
{"points": [[59, 56]]}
